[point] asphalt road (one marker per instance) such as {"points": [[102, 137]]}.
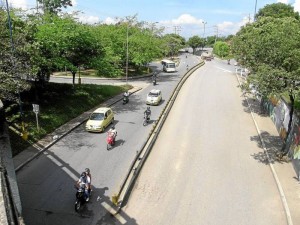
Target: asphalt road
{"points": [[201, 169], [46, 183]]}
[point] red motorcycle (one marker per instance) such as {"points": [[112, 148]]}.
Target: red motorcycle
{"points": [[110, 140]]}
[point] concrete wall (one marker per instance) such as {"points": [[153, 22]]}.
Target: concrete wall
{"points": [[10, 203], [279, 111]]}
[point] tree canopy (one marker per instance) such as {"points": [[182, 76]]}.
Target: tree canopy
{"points": [[277, 10], [15, 67], [195, 42], [270, 48], [221, 49], [54, 6]]}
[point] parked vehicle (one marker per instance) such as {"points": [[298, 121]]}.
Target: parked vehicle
{"points": [[100, 119]]}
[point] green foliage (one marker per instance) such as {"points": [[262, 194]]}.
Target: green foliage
{"points": [[14, 65], [66, 43], [171, 44], [270, 49], [59, 104], [54, 6], [195, 42], [221, 49], [277, 10]]}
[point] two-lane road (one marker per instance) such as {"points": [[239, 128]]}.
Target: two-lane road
{"points": [[201, 169], [46, 183]]}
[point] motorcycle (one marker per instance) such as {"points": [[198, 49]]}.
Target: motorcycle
{"points": [[146, 120], [125, 99], [80, 198], [110, 140], [154, 82]]}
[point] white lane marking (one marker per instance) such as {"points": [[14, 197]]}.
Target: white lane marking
{"points": [[224, 69]]}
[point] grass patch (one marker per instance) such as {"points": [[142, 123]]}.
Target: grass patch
{"points": [[132, 72], [59, 103]]}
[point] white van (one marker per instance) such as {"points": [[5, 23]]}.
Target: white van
{"points": [[168, 65]]}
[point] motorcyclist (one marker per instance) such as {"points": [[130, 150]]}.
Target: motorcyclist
{"points": [[126, 94], [84, 182], [147, 113], [88, 173], [154, 79], [113, 132]]}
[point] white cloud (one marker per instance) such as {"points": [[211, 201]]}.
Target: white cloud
{"points": [[283, 1], [89, 19], [185, 25], [183, 19], [297, 5], [109, 20], [18, 4], [74, 3]]}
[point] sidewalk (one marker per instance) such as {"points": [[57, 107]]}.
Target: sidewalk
{"points": [[35, 150], [282, 171]]}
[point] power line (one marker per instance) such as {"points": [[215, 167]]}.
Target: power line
{"points": [[177, 29]]}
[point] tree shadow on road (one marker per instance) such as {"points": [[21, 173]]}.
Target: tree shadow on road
{"points": [[255, 106], [272, 144]]}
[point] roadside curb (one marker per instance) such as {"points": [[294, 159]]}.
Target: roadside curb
{"points": [[278, 184], [42, 145], [106, 78]]}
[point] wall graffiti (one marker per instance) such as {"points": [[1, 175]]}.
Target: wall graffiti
{"points": [[279, 113]]}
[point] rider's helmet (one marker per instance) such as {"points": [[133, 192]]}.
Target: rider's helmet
{"points": [[148, 108], [113, 127], [87, 170], [83, 174]]}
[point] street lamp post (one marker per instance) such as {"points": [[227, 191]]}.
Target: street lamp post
{"points": [[255, 10], [203, 33], [127, 53]]}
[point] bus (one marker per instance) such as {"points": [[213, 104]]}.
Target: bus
{"points": [[168, 65]]}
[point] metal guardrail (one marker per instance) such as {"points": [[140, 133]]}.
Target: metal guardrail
{"points": [[142, 155]]}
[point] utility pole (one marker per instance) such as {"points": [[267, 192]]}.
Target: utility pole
{"points": [[217, 32], [127, 52], [177, 29], [13, 62], [255, 10], [203, 34]]}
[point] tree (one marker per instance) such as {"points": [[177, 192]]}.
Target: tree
{"points": [[172, 43], [221, 49], [195, 42], [144, 45], [270, 48], [65, 43], [277, 10], [15, 67], [54, 6]]}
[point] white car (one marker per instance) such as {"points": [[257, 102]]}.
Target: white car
{"points": [[154, 97]]}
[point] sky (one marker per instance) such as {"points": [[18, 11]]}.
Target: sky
{"points": [[184, 17]]}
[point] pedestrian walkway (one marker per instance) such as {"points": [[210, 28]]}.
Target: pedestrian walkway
{"points": [[283, 171]]}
